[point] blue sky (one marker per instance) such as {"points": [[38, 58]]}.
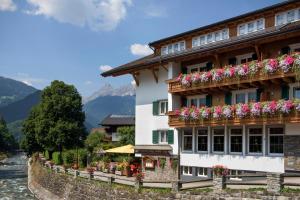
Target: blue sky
{"points": [[74, 40]]}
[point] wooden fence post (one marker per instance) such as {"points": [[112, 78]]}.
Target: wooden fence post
{"points": [[176, 186]]}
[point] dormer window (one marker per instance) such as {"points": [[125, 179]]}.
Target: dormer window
{"points": [[173, 48], [210, 38], [251, 27], [287, 17]]}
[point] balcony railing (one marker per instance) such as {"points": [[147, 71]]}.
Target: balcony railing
{"points": [[270, 112], [254, 74]]}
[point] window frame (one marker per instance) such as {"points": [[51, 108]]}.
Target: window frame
{"points": [[294, 46], [231, 134], [196, 66], [182, 143], [292, 87], [160, 102], [198, 97], [213, 141], [246, 91], [285, 17], [165, 132], [197, 40], [248, 139], [207, 140], [204, 174], [255, 27], [239, 58], [187, 174], [269, 140], [172, 49]]}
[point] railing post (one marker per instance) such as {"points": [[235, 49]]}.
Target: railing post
{"points": [[110, 180], [219, 183], [274, 182], [176, 186], [138, 185], [76, 173]]}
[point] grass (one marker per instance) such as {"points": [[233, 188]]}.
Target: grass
{"points": [[245, 190], [200, 190], [290, 190]]}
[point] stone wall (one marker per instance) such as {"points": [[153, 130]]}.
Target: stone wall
{"points": [[291, 152], [161, 174]]}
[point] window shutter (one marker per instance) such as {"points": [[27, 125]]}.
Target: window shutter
{"points": [[208, 100], [155, 137], [170, 137], [155, 107], [258, 94], [228, 97], [285, 50], [184, 70], [254, 56], [232, 61], [285, 92], [209, 66], [183, 101]]}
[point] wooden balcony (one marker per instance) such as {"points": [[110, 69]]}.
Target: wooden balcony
{"points": [[259, 80], [293, 117]]}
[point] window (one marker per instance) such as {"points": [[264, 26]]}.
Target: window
{"points": [[187, 170], [295, 47], [287, 17], [163, 136], [276, 140], [296, 92], [187, 140], [197, 101], [255, 140], [202, 172], [211, 37], [252, 26], [241, 59], [218, 140], [235, 173], [163, 107], [173, 48], [197, 67], [244, 96], [236, 140], [202, 140]]}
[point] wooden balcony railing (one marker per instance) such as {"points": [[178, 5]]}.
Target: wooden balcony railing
{"points": [[176, 122], [258, 79]]}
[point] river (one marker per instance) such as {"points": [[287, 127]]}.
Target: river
{"points": [[13, 178]]}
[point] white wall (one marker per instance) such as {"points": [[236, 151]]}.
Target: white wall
{"points": [[147, 92], [238, 162]]}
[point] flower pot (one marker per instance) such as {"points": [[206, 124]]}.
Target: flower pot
{"points": [[117, 172]]}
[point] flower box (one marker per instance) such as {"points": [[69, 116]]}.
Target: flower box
{"points": [[120, 173]]}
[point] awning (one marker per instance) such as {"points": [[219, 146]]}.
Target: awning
{"points": [[128, 149], [153, 147]]}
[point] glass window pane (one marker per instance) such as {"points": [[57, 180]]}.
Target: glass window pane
{"points": [[280, 19], [194, 102], [202, 102], [297, 93], [242, 29], [202, 40], [170, 48], [255, 144], [176, 47], [290, 16], [236, 143], [251, 27], [217, 36], [225, 34], [209, 38], [219, 143], [164, 50], [182, 46], [251, 96], [276, 144], [202, 140], [240, 98], [259, 24], [195, 42]]}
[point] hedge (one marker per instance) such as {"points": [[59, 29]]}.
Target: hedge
{"points": [[69, 157], [82, 158], [57, 158]]}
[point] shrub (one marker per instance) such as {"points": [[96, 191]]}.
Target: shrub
{"points": [[57, 159], [82, 153], [47, 156], [69, 157]]}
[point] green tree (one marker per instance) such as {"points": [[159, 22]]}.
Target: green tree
{"points": [[126, 134], [7, 140], [94, 140], [59, 119]]}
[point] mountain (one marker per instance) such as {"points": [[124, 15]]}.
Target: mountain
{"points": [[19, 110], [12, 91], [109, 90], [102, 106]]}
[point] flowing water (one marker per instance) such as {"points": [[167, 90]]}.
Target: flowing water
{"points": [[13, 178]]}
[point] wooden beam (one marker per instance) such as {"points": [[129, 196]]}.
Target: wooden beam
{"points": [[243, 85], [218, 63], [164, 67], [256, 46], [136, 78], [155, 74], [287, 79], [276, 81], [255, 84]]}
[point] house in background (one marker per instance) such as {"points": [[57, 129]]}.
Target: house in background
{"points": [[208, 70], [112, 122]]}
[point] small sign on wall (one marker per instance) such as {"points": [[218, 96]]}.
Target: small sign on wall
{"points": [[149, 163]]}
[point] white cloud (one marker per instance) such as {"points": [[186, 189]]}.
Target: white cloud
{"points": [[28, 80], [105, 68], [140, 50], [97, 14], [7, 5], [88, 82]]}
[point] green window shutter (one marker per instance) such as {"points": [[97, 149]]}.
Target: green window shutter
{"points": [[170, 137], [183, 70], [232, 61], [285, 50], [209, 66], [183, 101], [155, 137], [155, 107], [228, 97], [285, 92], [258, 94], [208, 100]]}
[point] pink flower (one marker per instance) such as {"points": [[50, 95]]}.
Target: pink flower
{"points": [[217, 112], [289, 60], [255, 109], [227, 111], [242, 110]]}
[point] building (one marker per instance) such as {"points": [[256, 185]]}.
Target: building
{"points": [[112, 122], [196, 95]]}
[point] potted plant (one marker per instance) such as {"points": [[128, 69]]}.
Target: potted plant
{"points": [[162, 162], [119, 170]]}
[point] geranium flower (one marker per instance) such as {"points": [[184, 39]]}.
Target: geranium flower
{"points": [[217, 74], [271, 65], [196, 78], [204, 112], [285, 106], [217, 112], [194, 113], [255, 109], [205, 76], [286, 63], [186, 80], [227, 111], [296, 104], [242, 110]]}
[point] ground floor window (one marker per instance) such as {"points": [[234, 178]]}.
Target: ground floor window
{"points": [[236, 140], [187, 140], [218, 140], [201, 171], [276, 140], [255, 140], [235, 174], [186, 170], [202, 140]]}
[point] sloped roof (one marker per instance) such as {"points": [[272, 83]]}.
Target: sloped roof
{"points": [[118, 120]]}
